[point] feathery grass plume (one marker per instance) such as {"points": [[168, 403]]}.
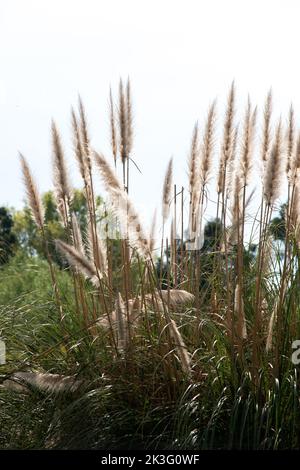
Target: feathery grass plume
{"points": [[154, 303], [102, 254], [235, 209], [181, 348], [62, 189], [121, 322], [295, 162], [45, 382], [109, 177], [123, 135], [228, 138], [84, 135], [80, 262], [130, 224], [194, 159], [295, 206], [232, 165], [194, 179], [77, 237], [274, 316], [290, 141], [89, 237], [129, 118], [239, 172], [240, 312], [174, 298], [134, 310], [273, 173], [270, 332], [267, 262], [113, 131], [167, 191], [152, 236], [208, 145], [247, 143], [79, 154], [266, 140], [33, 197], [177, 297], [97, 249]]}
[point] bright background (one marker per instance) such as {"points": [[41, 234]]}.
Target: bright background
{"points": [[179, 54]]}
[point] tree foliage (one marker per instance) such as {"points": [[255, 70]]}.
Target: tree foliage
{"points": [[8, 239], [29, 236]]}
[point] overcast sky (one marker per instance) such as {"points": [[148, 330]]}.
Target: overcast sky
{"points": [[179, 54]]}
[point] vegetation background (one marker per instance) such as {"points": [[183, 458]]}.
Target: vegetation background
{"points": [[181, 340]]}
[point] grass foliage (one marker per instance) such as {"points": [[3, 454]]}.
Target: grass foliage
{"points": [[184, 343]]}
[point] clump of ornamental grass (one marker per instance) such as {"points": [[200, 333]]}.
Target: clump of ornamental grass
{"points": [[188, 345]]}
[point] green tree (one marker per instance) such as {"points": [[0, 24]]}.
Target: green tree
{"points": [[28, 235], [8, 239]]}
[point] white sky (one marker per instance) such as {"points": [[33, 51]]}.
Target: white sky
{"points": [[180, 55]]}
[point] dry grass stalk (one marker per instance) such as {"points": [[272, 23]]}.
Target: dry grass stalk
{"points": [[172, 249], [33, 197]]}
